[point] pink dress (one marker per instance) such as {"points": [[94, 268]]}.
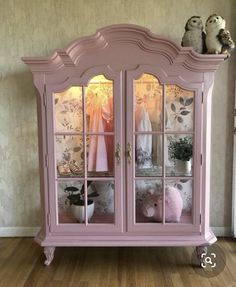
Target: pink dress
{"points": [[100, 155]]}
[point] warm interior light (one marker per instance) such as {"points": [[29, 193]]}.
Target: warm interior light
{"points": [[148, 78], [75, 90], [99, 79]]}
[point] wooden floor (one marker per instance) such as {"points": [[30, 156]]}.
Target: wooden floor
{"points": [[21, 264]]}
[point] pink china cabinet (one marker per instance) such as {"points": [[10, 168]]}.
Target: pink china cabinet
{"points": [[124, 123]]}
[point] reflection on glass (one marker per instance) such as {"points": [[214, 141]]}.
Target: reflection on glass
{"points": [[148, 155], [70, 201], [68, 109], [69, 156], [148, 103], [102, 194], [100, 155], [148, 201], [99, 105], [179, 108], [178, 201], [179, 155]]}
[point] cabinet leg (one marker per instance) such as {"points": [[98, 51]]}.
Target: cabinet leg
{"points": [[200, 250], [49, 253]]}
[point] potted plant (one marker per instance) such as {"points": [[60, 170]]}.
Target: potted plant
{"points": [[181, 151], [76, 199]]}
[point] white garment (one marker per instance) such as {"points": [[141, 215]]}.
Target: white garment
{"points": [[143, 142]]}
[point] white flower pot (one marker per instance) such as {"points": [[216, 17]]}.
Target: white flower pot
{"points": [[79, 211], [184, 167]]}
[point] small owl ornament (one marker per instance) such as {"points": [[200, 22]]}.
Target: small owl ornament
{"points": [[218, 39], [194, 35]]}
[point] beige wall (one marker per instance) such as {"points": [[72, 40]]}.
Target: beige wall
{"points": [[36, 28]]}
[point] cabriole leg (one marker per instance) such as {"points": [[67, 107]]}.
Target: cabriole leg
{"points": [[201, 250], [49, 253]]}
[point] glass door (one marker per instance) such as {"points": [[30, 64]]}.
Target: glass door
{"points": [[162, 136], [84, 171]]}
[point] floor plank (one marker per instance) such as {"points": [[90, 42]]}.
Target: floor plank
{"points": [[21, 265]]}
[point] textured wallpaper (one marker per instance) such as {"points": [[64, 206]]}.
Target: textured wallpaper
{"points": [[36, 28]]}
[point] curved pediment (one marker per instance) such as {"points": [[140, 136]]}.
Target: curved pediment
{"points": [[130, 37]]}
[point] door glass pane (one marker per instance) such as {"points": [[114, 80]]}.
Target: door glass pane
{"points": [[68, 196], [148, 201], [69, 156], [178, 201], [148, 103], [179, 155], [100, 155], [68, 108], [102, 194], [179, 109], [148, 155], [99, 105]]}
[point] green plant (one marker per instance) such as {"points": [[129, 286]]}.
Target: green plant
{"points": [[181, 149], [77, 197]]}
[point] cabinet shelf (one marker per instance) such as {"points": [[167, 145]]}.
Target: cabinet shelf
{"points": [[169, 132], [90, 175], [104, 178], [99, 218], [84, 134], [67, 217], [163, 177], [156, 171], [186, 218]]}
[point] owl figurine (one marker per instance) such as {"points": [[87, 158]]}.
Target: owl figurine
{"points": [[218, 40], [227, 42], [194, 35]]}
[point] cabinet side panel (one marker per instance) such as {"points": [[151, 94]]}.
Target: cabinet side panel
{"points": [[206, 149], [42, 142]]}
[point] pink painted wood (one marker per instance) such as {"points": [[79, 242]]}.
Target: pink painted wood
{"points": [[123, 53]]}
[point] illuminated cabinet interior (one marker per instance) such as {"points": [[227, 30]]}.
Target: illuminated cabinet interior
{"points": [[124, 142]]}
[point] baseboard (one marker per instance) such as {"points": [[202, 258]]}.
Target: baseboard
{"points": [[223, 231], [32, 231], [18, 231]]}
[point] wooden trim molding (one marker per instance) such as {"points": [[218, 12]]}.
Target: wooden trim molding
{"points": [[18, 231], [222, 231], [123, 34], [219, 231]]}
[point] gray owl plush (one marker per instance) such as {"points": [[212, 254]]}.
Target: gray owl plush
{"points": [[194, 35], [218, 39]]}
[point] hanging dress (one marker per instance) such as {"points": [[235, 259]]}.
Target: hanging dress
{"points": [[144, 141], [100, 120]]}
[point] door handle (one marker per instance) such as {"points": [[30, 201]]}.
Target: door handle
{"points": [[118, 153], [129, 152]]}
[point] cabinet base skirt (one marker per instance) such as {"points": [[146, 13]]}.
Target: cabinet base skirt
{"points": [[126, 240]]}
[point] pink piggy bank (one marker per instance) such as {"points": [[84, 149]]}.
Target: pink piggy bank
{"points": [[152, 206]]}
